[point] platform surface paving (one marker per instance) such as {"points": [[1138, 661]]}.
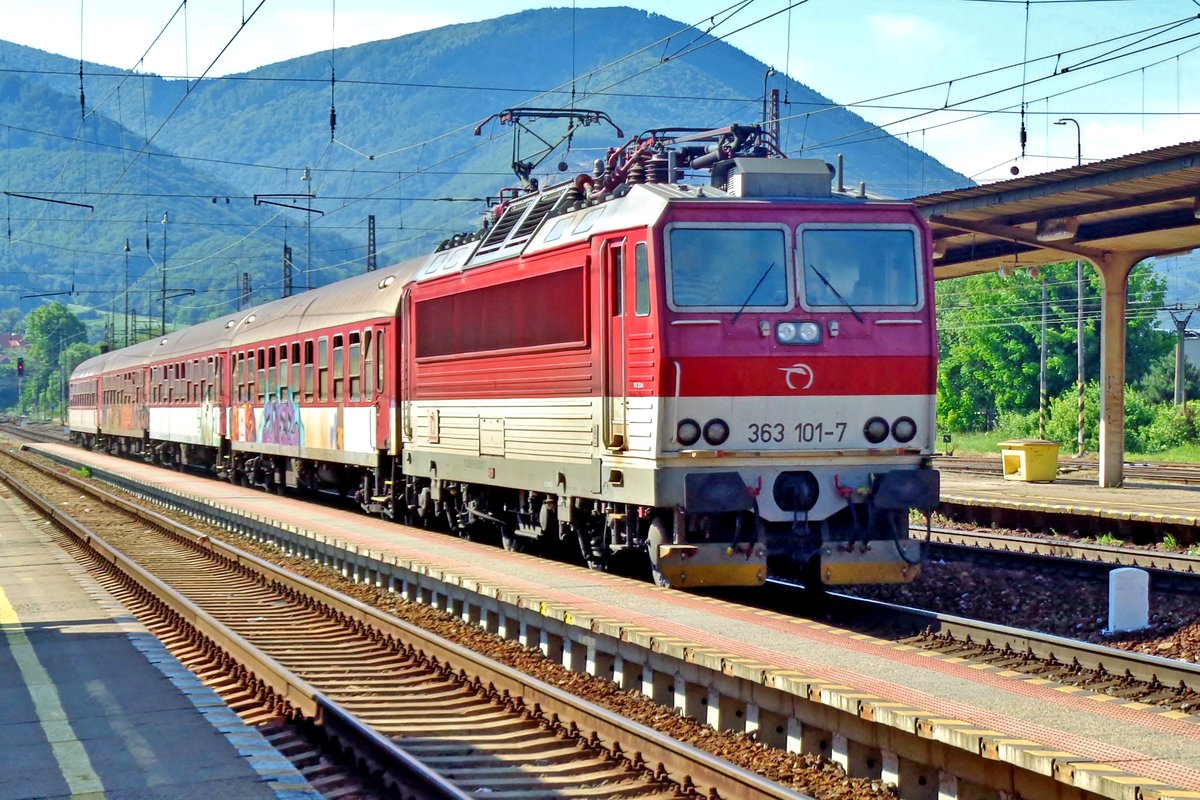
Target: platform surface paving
{"points": [[92, 706], [1085, 729]]}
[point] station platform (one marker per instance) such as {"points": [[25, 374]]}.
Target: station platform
{"points": [[1137, 503], [1142, 750], [91, 704]]}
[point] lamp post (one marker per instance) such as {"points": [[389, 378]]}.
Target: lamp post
{"points": [[1079, 376], [766, 76], [127, 292], [163, 313]]}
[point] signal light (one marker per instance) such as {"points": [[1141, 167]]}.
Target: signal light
{"points": [[20, 367]]}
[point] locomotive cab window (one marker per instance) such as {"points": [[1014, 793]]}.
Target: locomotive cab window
{"points": [[859, 267], [727, 269]]}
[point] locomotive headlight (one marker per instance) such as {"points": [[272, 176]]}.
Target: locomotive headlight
{"points": [[687, 432], [876, 430], [904, 429], [716, 431], [798, 333]]}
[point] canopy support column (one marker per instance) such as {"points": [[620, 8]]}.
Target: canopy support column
{"points": [[1114, 269]]}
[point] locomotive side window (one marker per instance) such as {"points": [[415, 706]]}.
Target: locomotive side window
{"points": [[867, 267], [641, 280], [728, 269], [618, 279]]}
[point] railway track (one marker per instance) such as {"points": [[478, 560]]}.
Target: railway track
{"points": [[32, 433], [1097, 557], [1125, 674], [422, 712], [1168, 472]]}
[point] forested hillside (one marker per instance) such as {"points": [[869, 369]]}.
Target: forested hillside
{"points": [[402, 150]]}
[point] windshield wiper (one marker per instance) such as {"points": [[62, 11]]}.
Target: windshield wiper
{"points": [[837, 294], [746, 302]]}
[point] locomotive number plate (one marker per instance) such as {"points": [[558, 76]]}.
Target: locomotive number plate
{"points": [[797, 433]]}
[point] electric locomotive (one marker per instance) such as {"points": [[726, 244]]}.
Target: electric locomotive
{"points": [[736, 377]]}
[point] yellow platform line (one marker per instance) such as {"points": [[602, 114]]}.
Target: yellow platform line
{"points": [[73, 762]]}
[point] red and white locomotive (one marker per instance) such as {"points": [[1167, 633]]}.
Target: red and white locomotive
{"points": [[726, 375]]}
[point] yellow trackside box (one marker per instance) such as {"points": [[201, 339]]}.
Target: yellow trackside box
{"points": [[1029, 460]]}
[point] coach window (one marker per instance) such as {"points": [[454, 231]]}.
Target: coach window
{"points": [[283, 372], [354, 367], [272, 384], [368, 366], [308, 371], [294, 383], [239, 377], [380, 369], [251, 375], [260, 385], [339, 370], [323, 369]]}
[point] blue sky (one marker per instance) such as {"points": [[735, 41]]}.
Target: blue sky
{"points": [[849, 50]]}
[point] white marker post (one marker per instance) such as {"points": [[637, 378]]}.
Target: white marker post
{"points": [[1128, 599]]}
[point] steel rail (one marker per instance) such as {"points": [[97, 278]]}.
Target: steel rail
{"points": [[408, 772], [1093, 553], [1043, 646], [683, 763]]}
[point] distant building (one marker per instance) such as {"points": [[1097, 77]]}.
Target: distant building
{"points": [[1191, 347]]}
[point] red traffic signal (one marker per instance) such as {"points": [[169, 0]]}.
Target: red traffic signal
{"points": [[20, 367]]}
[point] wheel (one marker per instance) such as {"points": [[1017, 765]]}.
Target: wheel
{"points": [[657, 535], [511, 541], [424, 511], [594, 553]]}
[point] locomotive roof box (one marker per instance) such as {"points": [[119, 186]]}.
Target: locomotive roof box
{"points": [[776, 177]]}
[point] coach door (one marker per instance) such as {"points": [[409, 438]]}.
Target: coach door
{"points": [[614, 399], [375, 374]]}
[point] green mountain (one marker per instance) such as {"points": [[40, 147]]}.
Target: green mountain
{"points": [[231, 160]]}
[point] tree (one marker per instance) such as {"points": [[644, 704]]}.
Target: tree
{"points": [[49, 331], [990, 337], [1158, 384]]}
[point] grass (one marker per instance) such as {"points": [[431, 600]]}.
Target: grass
{"points": [[988, 443]]}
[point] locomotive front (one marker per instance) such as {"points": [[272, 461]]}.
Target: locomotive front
{"points": [[799, 359]]}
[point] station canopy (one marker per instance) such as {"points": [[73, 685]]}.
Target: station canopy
{"points": [[1111, 213], [1144, 203]]}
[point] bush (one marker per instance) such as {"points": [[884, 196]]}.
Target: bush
{"points": [[1171, 426], [1062, 426], [1018, 425]]}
